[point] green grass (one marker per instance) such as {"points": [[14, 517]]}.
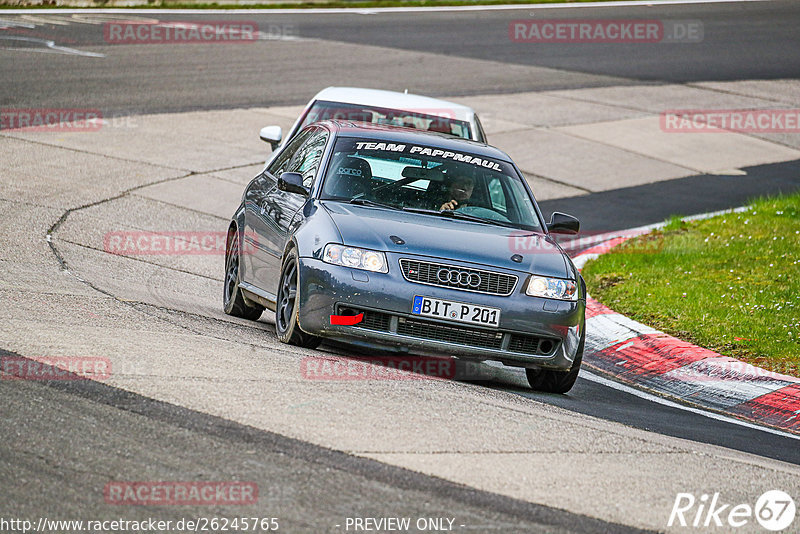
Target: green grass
{"points": [[356, 4], [730, 283]]}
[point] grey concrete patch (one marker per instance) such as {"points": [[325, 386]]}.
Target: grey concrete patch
{"points": [[202, 193], [702, 152], [43, 174], [140, 237], [23, 227], [198, 142], [545, 109], [791, 140], [493, 124], [37, 283], [786, 91], [658, 98], [133, 212], [139, 280], [241, 175], [589, 165], [544, 189], [286, 112]]}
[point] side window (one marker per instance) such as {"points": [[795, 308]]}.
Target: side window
{"points": [[306, 159], [281, 163], [497, 195]]}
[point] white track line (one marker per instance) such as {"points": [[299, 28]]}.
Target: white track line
{"points": [[374, 10], [659, 400], [50, 46]]}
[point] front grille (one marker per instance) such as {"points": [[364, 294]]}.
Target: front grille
{"points": [[531, 344], [463, 278], [460, 335], [375, 321], [372, 320]]}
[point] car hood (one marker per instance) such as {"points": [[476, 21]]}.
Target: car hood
{"points": [[447, 239]]}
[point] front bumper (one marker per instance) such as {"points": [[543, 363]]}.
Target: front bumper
{"points": [[528, 334]]}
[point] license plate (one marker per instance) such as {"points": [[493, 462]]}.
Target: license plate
{"points": [[456, 311]]}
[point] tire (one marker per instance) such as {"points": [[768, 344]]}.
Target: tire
{"points": [[550, 381], [286, 310], [233, 302]]}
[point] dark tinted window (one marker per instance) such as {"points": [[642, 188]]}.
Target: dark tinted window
{"points": [[306, 159], [280, 164], [432, 120]]}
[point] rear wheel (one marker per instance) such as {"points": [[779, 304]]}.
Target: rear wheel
{"points": [[287, 310], [551, 381], [233, 302]]}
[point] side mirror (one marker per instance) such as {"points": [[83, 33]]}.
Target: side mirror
{"points": [[292, 182], [561, 223], [271, 135]]}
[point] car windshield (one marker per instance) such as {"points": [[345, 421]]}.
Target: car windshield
{"points": [[430, 180], [432, 120]]}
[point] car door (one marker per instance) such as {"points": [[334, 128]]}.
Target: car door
{"points": [[251, 252], [281, 209], [260, 217]]}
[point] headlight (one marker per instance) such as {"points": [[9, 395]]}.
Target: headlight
{"points": [[552, 288], [357, 258]]}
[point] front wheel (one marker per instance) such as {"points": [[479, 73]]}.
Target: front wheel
{"points": [[287, 310], [233, 302], [550, 381]]}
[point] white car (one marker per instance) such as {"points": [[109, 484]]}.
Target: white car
{"points": [[383, 107]]}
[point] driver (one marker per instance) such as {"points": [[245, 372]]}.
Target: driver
{"points": [[458, 193]]}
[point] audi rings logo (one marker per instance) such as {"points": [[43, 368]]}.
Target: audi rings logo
{"points": [[459, 278]]}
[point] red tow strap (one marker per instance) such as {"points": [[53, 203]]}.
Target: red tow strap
{"points": [[346, 320]]}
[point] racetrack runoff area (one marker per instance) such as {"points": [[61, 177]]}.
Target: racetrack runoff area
{"points": [[158, 319]]}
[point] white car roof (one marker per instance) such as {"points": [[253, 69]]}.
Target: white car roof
{"points": [[395, 100]]}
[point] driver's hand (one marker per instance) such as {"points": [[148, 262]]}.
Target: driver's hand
{"points": [[449, 205]]}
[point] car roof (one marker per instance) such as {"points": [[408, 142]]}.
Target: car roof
{"points": [[385, 132], [394, 100]]}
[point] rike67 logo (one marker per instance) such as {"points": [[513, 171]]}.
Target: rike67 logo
{"points": [[774, 510]]}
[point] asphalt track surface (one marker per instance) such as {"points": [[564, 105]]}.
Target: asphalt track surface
{"points": [[743, 41], [752, 40], [309, 488], [591, 398]]}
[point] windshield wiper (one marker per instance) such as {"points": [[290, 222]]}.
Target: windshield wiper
{"points": [[367, 202], [422, 210], [467, 217], [463, 216]]}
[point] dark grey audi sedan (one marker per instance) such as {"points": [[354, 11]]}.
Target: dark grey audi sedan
{"points": [[391, 238]]}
